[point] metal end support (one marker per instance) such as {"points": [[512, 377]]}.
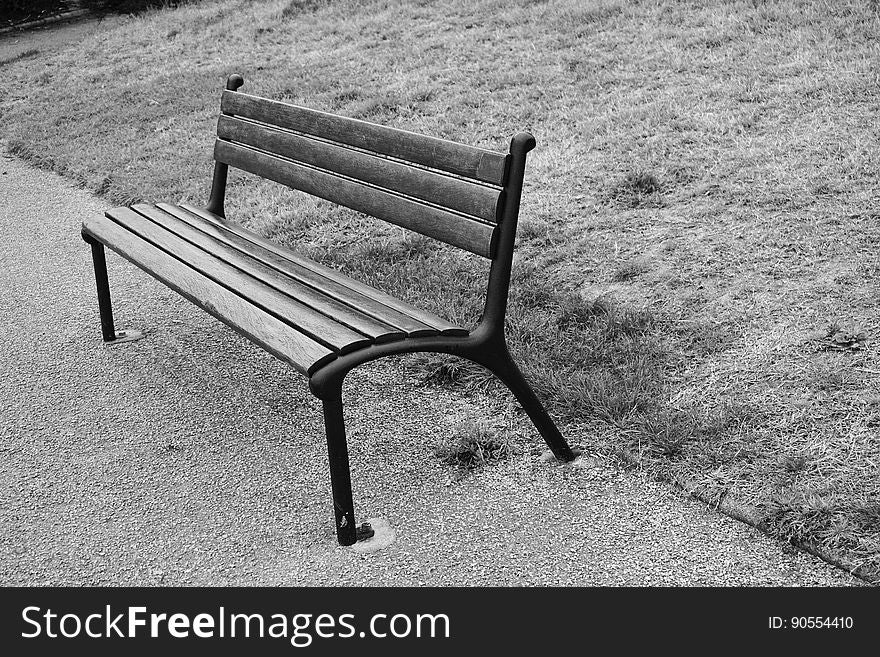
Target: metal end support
{"points": [[129, 335]]}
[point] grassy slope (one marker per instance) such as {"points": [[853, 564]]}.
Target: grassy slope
{"points": [[702, 205]]}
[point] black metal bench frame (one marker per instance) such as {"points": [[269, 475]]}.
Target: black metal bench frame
{"points": [[485, 344]]}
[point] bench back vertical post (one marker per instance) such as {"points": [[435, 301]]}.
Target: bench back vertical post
{"points": [[495, 309], [221, 169]]}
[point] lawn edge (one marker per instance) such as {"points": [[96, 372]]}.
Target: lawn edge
{"points": [[747, 514]]}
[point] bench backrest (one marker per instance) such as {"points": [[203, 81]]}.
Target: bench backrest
{"points": [[445, 190], [462, 195]]}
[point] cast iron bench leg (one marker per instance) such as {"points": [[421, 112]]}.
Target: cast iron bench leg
{"points": [[506, 370], [340, 474], [105, 306]]}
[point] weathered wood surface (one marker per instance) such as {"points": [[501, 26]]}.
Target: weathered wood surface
{"points": [[340, 312], [455, 229], [275, 336], [459, 159], [306, 320], [322, 275], [384, 307], [456, 194]]}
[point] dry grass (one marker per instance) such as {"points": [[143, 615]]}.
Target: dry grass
{"points": [[701, 211], [474, 446], [26, 54]]}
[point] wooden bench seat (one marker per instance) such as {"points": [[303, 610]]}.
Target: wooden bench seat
{"points": [[319, 321], [298, 310]]}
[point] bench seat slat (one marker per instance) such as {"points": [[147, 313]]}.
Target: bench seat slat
{"points": [[306, 320], [455, 229], [445, 191], [281, 340], [333, 280], [289, 269], [339, 311], [460, 159]]}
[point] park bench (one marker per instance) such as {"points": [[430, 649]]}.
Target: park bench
{"points": [[314, 318]]}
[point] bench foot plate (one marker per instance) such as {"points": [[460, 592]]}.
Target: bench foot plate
{"points": [[364, 531], [129, 335], [383, 535]]}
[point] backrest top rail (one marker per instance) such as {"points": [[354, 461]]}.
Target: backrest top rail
{"points": [[452, 157]]}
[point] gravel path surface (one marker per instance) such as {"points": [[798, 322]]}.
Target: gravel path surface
{"points": [[192, 457]]}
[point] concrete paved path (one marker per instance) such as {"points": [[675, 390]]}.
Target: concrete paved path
{"points": [[191, 457]]}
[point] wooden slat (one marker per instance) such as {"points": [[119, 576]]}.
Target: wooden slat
{"points": [[291, 268], [339, 311], [458, 230], [324, 278], [445, 191], [459, 159], [276, 337], [306, 320]]}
